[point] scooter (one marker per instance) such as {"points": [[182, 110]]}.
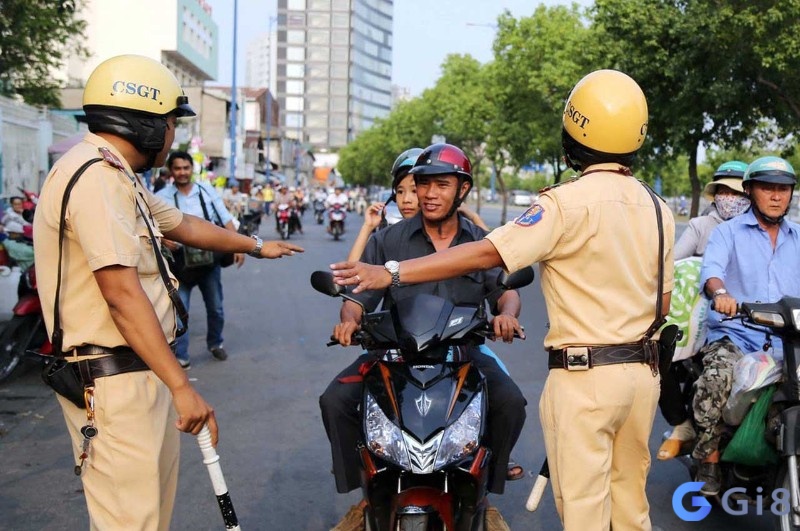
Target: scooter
{"points": [[336, 217], [284, 216], [250, 222], [319, 211], [424, 461], [25, 331], [745, 485]]}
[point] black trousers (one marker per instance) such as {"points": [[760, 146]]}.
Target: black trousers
{"points": [[342, 421], [671, 400]]}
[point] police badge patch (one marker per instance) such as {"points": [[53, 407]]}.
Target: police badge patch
{"points": [[532, 216]]}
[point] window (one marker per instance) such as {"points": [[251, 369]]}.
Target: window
{"points": [[339, 70], [295, 70], [294, 120], [318, 104], [319, 20], [338, 138], [338, 104], [295, 37], [339, 87], [319, 5], [317, 87], [340, 37], [319, 53], [318, 138], [338, 121], [341, 5], [339, 55], [296, 5], [296, 20], [317, 71], [319, 120], [295, 87], [341, 20], [319, 37], [294, 103], [296, 54]]}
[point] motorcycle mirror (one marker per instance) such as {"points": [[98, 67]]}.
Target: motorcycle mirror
{"points": [[322, 281], [516, 280]]}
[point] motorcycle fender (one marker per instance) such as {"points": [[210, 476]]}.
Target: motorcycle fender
{"points": [[425, 497], [28, 305], [789, 439]]}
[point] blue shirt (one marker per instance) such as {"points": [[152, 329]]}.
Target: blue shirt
{"points": [[740, 253], [190, 203]]}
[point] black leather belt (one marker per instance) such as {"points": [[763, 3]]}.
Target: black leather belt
{"points": [[585, 357], [119, 361]]}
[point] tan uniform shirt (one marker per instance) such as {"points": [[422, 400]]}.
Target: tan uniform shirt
{"points": [[596, 241], [103, 228]]}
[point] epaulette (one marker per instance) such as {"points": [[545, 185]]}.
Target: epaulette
{"points": [[562, 183], [110, 158]]}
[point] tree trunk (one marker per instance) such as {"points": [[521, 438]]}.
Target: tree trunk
{"points": [[502, 185], [695, 181], [477, 184], [557, 170]]}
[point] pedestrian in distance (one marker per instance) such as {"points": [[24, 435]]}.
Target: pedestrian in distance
{"points": [[603, 241], [109, 303]]}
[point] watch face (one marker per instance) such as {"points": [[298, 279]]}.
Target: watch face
{"points": [[392, 266]]}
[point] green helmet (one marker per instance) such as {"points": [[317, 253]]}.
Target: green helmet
{"points": [[402, 164], [771, 170], [732, 169]]}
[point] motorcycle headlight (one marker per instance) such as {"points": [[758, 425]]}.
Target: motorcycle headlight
{"points": [[461, 438], [384, 439]]}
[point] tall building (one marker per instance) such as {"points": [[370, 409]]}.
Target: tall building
{"points": [[261, 62], [183, 37], [334, 68]]}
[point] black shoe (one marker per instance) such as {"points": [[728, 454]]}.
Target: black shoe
{"points": [[186, 364], [219, 353], [711, 476]]}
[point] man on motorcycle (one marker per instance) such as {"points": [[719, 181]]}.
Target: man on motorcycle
{"points": [[752, 257], [443, 181], [338, 196], [597, 240]]}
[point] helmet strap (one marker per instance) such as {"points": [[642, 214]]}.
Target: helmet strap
{"points": [[769, 220], [458, 199]]}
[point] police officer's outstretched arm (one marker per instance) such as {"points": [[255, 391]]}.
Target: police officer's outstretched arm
{"points": [[136, 320]]}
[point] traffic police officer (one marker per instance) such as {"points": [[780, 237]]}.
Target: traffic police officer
{"points": [[596, 239], [115, 310]]}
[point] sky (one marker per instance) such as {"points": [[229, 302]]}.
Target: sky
{"points": [[425, 32]]}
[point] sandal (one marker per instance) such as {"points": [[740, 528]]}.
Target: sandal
{"points": [[514, 471], [672, 448]]}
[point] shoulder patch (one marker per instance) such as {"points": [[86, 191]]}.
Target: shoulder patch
{"points": [[530, 217], [110, 158], [562, 183]]}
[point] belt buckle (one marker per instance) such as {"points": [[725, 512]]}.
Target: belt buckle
{"points": [[577, 358]]}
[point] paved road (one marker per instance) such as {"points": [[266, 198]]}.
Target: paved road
{"points": [[274, 451]]}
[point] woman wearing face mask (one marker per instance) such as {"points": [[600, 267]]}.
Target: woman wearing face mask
{"points": [[728, 200]]}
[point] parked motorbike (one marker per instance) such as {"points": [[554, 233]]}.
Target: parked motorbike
{"points": [[424, 461], [756, 484], [25, 331], [336, 216], [319, 211], [250, 222]]}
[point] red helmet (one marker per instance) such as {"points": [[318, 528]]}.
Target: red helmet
{"points": [[440, 159]]}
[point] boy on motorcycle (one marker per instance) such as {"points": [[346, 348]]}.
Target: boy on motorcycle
{"points": [[443, 179], [752, 257]]}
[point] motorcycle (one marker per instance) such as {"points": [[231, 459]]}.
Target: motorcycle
{"points": [[748, 484], [284, 217], [423, 408], [25, 331], [250, 222], [336, 217], [319, 211]]}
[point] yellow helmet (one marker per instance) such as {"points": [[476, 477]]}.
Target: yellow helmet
{"points": [[606, 112], [135, 83]]}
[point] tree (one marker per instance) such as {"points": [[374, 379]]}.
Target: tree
{"points": [[537, 61], [36, 36], [700, 64]]}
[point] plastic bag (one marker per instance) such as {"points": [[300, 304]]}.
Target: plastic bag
{"points": [[751, 373], [688, 308], [749, 445]]}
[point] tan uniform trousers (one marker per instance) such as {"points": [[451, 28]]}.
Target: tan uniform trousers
{"points": [[131, 475], [596, 426]]}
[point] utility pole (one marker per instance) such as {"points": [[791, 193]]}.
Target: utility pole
{"points": [[232, 174]]}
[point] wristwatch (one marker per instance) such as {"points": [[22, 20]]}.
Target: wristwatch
{"points": [[393, 267], [256, 252], [720, 291]]}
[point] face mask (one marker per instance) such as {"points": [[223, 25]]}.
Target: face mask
{"points": [[730, 206]]}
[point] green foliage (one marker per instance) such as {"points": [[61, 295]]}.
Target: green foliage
{"points": [[36, 37]]}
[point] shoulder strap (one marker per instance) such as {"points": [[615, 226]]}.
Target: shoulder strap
{"points": [[58, 334], [659, 319], [180, 309], [205, 212]]}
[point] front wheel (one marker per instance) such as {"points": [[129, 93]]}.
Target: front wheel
{"points": [[413, 522], [14, 340], [783, 522]]}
